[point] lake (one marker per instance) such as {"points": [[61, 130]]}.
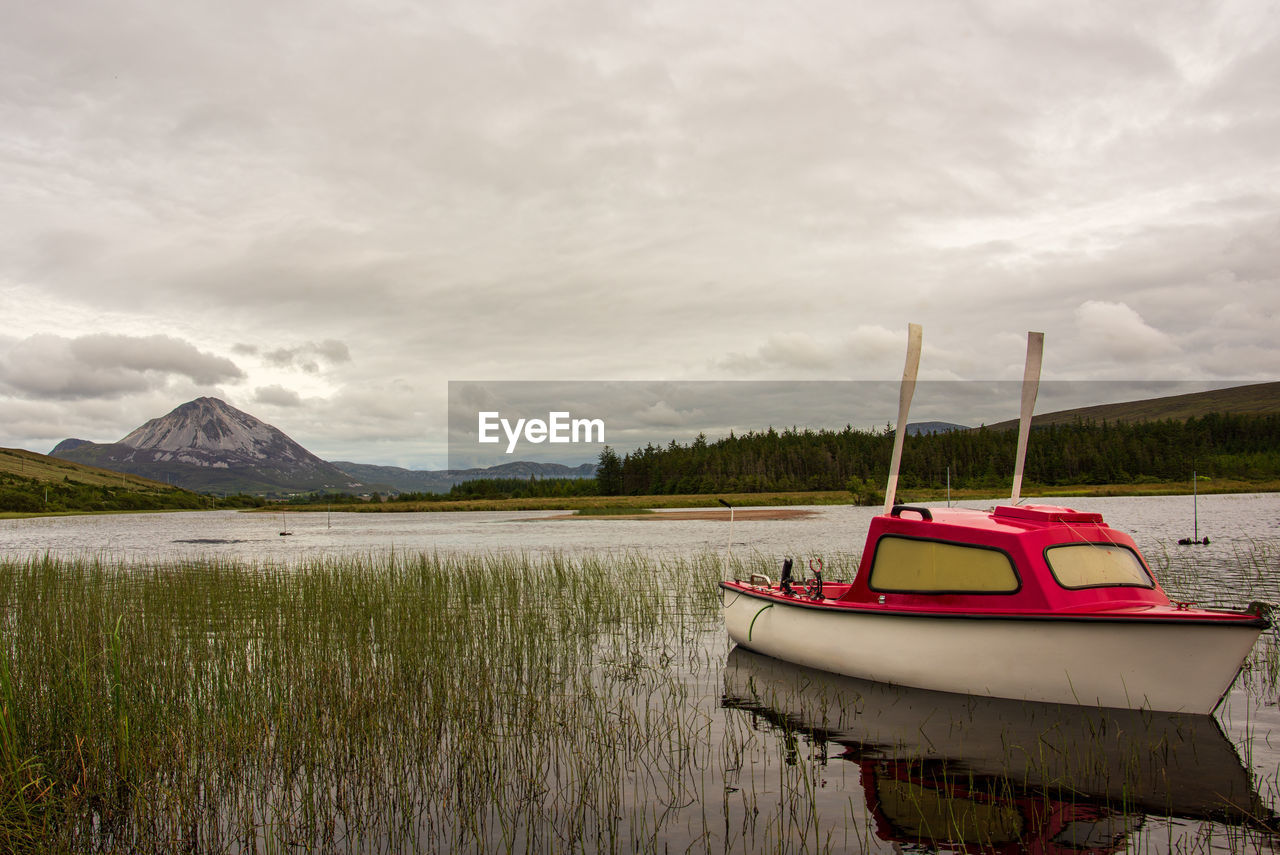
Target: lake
{"points": [[772, 758], [1231, 522]]}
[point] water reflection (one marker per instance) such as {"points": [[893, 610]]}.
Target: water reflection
{"points": [[993, 775]]}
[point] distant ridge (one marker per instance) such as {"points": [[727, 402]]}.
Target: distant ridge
{"points": [[440, 480], [918, 428], [1253, 399]]}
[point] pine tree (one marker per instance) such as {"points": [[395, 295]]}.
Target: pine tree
{"points": [[609, 473]]}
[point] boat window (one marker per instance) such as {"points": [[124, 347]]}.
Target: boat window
{"points": [[1096, 565], [908, 565]]}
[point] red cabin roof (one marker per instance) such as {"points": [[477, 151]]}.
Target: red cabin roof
{"points": [[1010, 559]]}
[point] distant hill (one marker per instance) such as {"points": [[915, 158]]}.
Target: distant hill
{"points": [[440, 480], [925, 428], [42, 467], [1253, 399], [209, 446]]}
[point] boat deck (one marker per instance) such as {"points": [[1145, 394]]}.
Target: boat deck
{"points": [[835, 593]]}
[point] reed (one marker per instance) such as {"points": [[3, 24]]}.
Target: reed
{"points": [[389, 702]]}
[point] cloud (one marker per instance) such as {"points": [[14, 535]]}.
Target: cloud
{"points": [[304, 357], [868, 351], [578, 190], [661, 414], [277, 396], [1115, 333], [107, 365]]}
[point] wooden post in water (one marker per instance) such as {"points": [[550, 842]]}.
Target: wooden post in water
{"points": [[728, 549], [1195, 504]]}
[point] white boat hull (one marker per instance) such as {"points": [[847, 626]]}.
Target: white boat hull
{"points": [[1172, 666]]}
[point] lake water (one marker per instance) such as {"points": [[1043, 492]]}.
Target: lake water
{"points": [[1232, 522], [875, 784]]}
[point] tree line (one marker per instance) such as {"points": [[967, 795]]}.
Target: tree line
{"points": [[1244, 447]]}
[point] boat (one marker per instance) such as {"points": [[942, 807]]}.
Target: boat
{"points": [[996, 775], [1023, 601]]}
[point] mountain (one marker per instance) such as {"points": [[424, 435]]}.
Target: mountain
{"points": [[1253, 399], [918, 428], [208, 445], [440, 480]]}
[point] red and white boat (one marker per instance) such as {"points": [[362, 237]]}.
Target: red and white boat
{"points": [[1030, 602]]}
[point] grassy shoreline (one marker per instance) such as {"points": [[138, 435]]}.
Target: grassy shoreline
{"points": [[785, 499]]}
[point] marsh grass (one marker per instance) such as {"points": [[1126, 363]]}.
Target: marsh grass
{"points": [[375, 704]]}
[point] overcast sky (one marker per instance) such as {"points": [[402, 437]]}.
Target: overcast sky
{"points": [[322, 212]]}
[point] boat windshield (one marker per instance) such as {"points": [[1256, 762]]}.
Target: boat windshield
{"points": [[908, 565], [1096, 565]]}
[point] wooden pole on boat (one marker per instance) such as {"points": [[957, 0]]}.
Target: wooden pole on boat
{"points": [[1030, 387], [905, 392]]}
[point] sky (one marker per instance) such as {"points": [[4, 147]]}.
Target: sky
{"points": [[325, 212]]}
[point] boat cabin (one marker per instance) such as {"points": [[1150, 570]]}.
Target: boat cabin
{"points": [[1026, 559]]}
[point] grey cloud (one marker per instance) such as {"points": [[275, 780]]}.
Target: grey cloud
{"points": [[864, 352], [106, 365], [277, 395], [304, 356], [159, 353]]}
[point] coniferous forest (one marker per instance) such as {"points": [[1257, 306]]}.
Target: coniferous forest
{"points": [[1242, 447]]}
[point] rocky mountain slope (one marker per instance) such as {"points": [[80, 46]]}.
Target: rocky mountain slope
{"points": [[208, 445]]}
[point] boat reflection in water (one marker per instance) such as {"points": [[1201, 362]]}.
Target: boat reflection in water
{"points": [[983, 774]]}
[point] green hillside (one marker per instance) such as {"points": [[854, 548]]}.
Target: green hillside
{"points": [[42, 468], [1261, 399], [32, 483]]}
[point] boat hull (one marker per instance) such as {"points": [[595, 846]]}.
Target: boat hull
{"points": [[1127, 663]]}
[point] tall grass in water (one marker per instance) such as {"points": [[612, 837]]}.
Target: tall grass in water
{"points": [[482, 702]]}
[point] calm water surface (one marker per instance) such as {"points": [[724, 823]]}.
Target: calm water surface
{"points": [[1232, 523], [889, 762]]}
